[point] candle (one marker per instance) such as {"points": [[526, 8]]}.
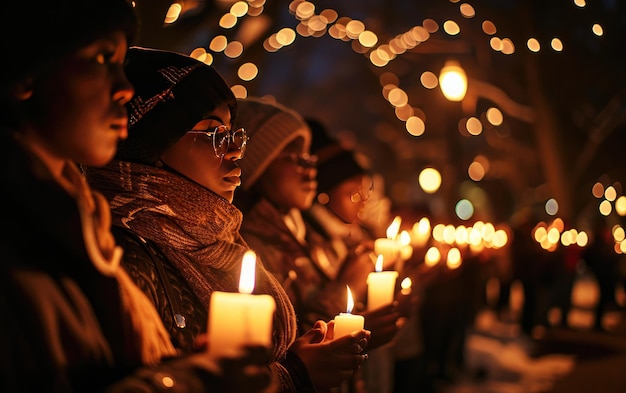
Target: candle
{"points": [[346, 322], [238, 319], [380, 286], [389, 247]]}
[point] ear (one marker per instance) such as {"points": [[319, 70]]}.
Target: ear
{"points": [[23, 89]]}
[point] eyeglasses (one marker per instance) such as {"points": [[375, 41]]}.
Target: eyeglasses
{"points": [[303, 160], [223, 139]]}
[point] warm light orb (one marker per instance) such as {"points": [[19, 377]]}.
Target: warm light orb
{"points": [[429, 80], [620, 206], [533, 45], [453, 81], [173, 13], [451, 27], [432, 257], [247, 71], [494, 116], [415, 126], [429, 180]]}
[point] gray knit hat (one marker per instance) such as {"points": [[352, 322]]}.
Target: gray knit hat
{"points": [[270, 127]]}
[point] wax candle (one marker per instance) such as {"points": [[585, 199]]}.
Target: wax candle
{"points": [[238, 319], [380, 286], [389, 247], [346, 322]]}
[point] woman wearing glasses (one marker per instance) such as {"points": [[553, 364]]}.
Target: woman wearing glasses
{"points": [[171, 189]]}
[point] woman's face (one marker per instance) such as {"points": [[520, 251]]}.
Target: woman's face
{"points": [[348, 198], [289, 181], [194, 156], [78, 108]]}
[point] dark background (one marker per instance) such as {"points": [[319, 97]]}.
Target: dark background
{"points": [[577, 95]]}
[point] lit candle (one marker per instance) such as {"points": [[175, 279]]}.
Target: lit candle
{"points": [[389, 247], [238, 319], [346, 322], [421, 232], [380, 286]]}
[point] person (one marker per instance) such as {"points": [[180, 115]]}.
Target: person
{"points": [[73, 319], [171, 188], [279, 184]]}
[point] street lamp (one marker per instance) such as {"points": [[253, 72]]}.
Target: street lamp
{"points": [[453, 81]]}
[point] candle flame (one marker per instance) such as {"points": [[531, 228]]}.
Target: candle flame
{"points": [[405, 238], [379, 263], [350, 301], [406, 286], [248, 270], [394, 228]]}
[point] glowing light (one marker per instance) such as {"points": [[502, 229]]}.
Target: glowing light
{"points": [[464, 209], [597, 30], [415, 126], [451, 27], [429, 80], [533, 45], [453, 81], [247, 71], [552, 207], [430, 180], [474, 126], [494, 116], [173, 13]]}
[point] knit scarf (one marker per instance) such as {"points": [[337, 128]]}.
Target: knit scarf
{"points": [[95, 217], [197, 230]]}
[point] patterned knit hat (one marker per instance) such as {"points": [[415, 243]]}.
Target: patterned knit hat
{"points": [[271, 127], [335, 163], [36, 33], [173, 92]]}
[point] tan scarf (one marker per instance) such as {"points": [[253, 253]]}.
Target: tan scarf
{"points": [[95, 217], [197, 230]]}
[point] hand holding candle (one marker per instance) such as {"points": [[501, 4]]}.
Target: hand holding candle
{"points": [[239, 319], [346, 323], [380, 286]]}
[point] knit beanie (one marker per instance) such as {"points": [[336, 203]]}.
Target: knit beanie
{"points": [[271, 127], [173, 92], [36, 33], [335, 163]]}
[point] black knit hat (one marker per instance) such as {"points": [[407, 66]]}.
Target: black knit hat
{"points": [[173, 92], [335, 163], [35, 33]]}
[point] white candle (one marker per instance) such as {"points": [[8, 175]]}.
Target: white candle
{"points": [[238, 319], [380, 286], [346, 322], [389, 247]]}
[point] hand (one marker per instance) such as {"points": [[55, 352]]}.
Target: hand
{"points": [[330, 362], [383, 322]]}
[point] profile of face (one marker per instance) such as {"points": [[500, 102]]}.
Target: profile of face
{"points": [[290, 180], [79, 106], [348, 198], [201, 157]]}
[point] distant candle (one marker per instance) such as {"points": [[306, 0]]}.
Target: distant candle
{"points": [[346, 322], [239, 319], [389, 247], [380, 286]]}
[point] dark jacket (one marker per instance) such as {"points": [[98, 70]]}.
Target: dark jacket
{"points": [[63, 326]]}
